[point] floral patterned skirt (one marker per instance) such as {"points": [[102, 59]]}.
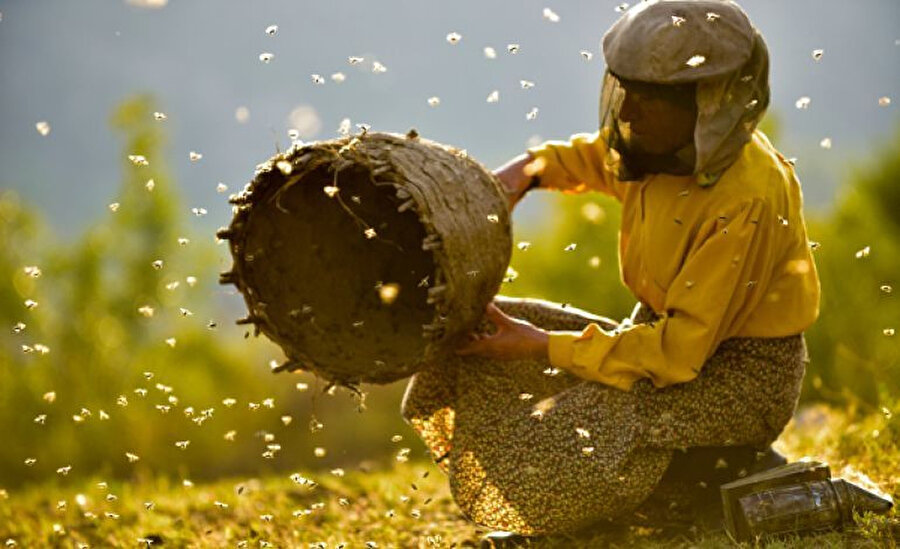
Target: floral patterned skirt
{"points": [[535, 450]]}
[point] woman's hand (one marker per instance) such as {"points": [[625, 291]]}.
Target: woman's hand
{"points": [[514, 339], [514, 178]]}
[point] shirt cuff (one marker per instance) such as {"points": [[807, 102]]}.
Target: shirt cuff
{"points": [[550, 168], [560, 348], [583, 353]]}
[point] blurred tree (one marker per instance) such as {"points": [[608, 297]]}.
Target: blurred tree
{"points": [[25, 243], [854, 351], [89, 295], [570, 255]]}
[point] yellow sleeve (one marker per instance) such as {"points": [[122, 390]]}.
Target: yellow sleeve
{"points": [[577, 165], [724, 277]]}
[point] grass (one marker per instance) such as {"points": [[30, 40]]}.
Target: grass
{"points": [[405, 504]]}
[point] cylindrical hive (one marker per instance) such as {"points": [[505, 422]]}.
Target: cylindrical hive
{"points": [[367, 256]]}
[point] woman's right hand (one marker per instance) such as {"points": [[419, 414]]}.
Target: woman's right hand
{"points": [[514, 178]]}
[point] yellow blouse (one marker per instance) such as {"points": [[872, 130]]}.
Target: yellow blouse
{"points": [[716, 261]]}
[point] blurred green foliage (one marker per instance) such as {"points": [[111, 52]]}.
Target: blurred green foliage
{"points": [[90, 344], [855, 354], [585, 275]]}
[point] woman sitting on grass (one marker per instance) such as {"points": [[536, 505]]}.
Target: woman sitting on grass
{"points": [[653, 413]]}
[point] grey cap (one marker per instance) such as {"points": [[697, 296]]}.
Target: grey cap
{"points": [[677, 41]]}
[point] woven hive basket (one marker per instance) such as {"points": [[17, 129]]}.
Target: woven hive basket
{"points": [[366, 257]]}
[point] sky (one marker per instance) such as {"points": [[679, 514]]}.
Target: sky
{"points": [[70, 63]]}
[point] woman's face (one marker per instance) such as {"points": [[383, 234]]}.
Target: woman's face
{"points": [[656, 118]]}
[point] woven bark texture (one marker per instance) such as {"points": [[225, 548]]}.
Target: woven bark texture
{"points": [[367, 256]]}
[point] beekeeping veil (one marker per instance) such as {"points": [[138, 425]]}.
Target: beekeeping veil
{"points": [[707, 42]]}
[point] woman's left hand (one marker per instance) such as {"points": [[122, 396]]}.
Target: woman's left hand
{"points": [[514, 339]]}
